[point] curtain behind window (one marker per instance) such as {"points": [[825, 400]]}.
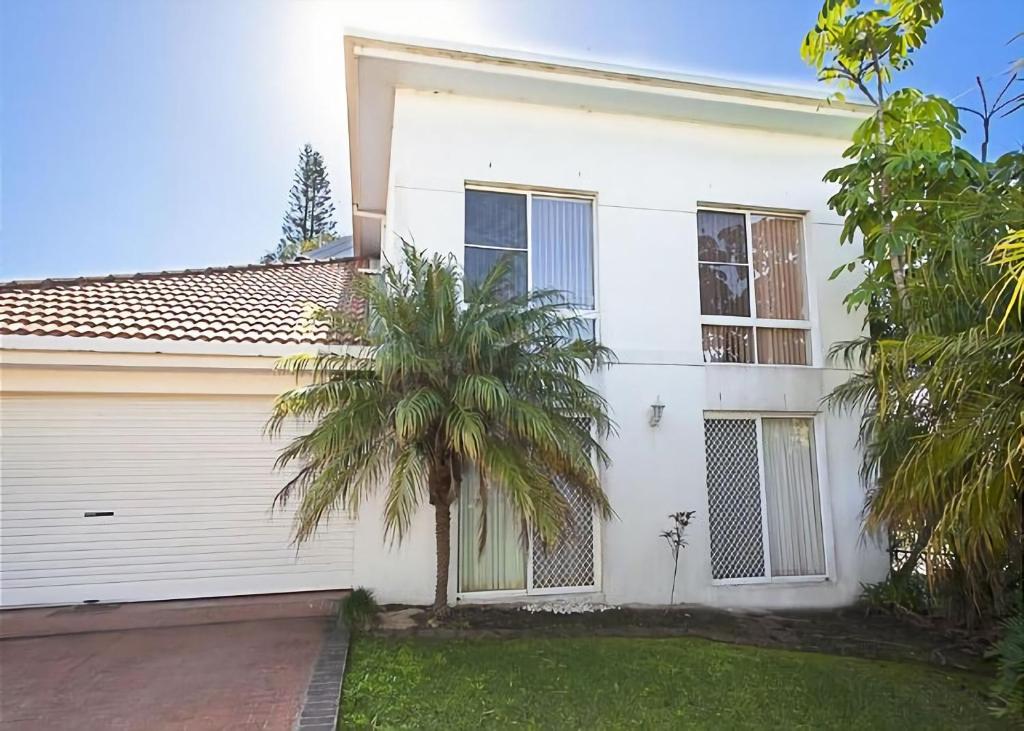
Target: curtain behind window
{"points": [[563, 248], [778, 268], [724, 286], [502, 565], [782, 346], [791, 491]]}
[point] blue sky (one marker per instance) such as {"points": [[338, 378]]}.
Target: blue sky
{"points": [[140, 135]]}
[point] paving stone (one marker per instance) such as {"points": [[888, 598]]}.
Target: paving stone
{"points": [[401, 619], [323, 694], [250, 674]]}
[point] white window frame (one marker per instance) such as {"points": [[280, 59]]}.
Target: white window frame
{"points": [[824, 499], [530, 589], [753, 321], [529, 193]]}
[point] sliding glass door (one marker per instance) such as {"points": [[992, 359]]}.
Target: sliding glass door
{"points": [[512, 559], [501, 565]]}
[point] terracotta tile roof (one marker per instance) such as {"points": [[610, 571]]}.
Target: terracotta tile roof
{"points": [[260, 303]]}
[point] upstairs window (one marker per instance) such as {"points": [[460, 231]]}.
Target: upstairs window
{"points": [[753, 298], [548, 239]]}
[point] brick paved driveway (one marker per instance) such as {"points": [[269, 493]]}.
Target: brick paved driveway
{"points": [[236, 675]]}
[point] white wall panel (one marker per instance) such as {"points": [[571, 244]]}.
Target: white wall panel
{"points": [[648, 176]]}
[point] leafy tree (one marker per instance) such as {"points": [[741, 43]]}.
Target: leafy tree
{"points": [[861, 49], [941, 371], [309, 220], [440, 384]]}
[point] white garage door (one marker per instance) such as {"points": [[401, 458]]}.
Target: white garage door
{"points": [[133, 498]]}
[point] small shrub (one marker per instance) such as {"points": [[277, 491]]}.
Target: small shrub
{"points": [[360, 610], [1008, 690], [675, 537], [908, 595]]}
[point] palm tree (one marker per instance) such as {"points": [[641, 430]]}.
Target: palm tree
{"points": [[1009, 253], [442, 382], [941, 390]]}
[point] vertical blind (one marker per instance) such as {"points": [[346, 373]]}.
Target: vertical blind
{"points": [[781, 346], [727, 344], [495, 219], [502, 563], [562, 251], [778, 268], [495, 230], [480, 262], [795, 539]]}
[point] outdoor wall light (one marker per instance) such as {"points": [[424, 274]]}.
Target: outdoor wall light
{"points": [[657, 409]]}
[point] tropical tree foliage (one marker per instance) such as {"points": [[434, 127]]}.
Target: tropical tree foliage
{"points": [[940, 374], [442, 381]]}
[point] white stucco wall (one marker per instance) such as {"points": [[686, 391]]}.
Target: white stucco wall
{"points": [[648, 176]]}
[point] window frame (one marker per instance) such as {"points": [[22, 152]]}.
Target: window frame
{"points": [[529, 192], [529, 589], [752, 321], [824, 499]]}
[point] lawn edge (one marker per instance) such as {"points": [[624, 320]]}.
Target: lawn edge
{"points": [[321, 706]]}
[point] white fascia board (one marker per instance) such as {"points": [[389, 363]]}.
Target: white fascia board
{"points": [[384, 46]]}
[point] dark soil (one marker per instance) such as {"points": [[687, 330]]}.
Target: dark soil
{"points": [[852, 632]]}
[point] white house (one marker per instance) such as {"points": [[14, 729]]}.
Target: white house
{"points": [[687, 218]]}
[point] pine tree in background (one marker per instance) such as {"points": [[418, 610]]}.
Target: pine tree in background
{"points": [[309, 220]]}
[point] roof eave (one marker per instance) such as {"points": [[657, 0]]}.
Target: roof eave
{"points": [[393, 62], [360, 43]]}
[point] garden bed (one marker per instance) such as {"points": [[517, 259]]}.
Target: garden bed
{"points": [[846, 632]]}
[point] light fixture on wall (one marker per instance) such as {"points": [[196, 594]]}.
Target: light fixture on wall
{"points": [[657, 409]]}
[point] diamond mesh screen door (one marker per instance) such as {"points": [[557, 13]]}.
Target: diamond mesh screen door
{"points": [[569, 563], [734, 499]]}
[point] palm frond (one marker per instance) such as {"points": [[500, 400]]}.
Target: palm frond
{"points": [[496, 382]]}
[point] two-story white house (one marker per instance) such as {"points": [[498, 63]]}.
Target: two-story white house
{"points": [[688, 222]]}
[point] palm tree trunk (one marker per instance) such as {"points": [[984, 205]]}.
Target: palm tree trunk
{"points": [[442, 534], [439, 481], [914, 554]]}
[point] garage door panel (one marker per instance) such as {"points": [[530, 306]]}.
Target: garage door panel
{"points": [[111, 556], [139, 505], [168, 545], [105, 571], [193, 512], [107, 527], [140, 591], [125, 493], [174, 535], [190, 481]]}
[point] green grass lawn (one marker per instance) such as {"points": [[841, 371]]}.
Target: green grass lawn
{"points": [[613, 682]]}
